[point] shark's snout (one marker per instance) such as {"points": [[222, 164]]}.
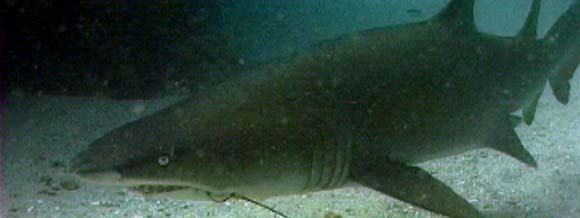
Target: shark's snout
{"points": [[101, 177], [80, 164], [90, 171]]}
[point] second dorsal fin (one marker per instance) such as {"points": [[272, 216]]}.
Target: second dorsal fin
{"points": [[528, 33], [529, 111]]}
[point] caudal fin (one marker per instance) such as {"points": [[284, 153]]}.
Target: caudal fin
{"points": [[562, 44]]}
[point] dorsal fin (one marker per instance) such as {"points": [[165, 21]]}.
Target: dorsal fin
{"points": [[528, 32], [459, 13]]}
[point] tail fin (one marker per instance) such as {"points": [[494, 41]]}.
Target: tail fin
{"points": [[560, 81], [562, 44]]}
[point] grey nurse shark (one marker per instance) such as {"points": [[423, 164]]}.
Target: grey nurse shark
{"points": [[363, 108]]}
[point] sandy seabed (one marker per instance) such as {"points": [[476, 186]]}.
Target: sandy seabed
{"points": [[41, 133]]}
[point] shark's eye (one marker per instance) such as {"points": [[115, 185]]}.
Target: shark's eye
{"points": [[163, 160]]}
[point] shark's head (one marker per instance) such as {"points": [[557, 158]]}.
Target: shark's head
{"points": [[164, 151], [149, 153]]}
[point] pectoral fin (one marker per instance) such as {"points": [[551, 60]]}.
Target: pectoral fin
{"points": [[415, 186]]}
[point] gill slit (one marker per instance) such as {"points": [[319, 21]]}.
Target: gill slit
{"points": [[330, 164]]}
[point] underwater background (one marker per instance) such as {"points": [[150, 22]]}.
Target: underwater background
{"points": [[96, 66]]}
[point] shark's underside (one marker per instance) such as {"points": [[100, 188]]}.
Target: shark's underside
{"points": [[364, 108]]}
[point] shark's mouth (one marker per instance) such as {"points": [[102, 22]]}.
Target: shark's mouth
{"points": [[157, 189], [183, 192]]}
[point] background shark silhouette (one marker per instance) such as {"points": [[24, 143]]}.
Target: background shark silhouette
{"points": [[363, 108]]}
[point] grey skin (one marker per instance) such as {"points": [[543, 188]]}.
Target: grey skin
{"points": [[361, 108]]}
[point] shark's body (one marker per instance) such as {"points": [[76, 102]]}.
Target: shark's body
{"points": [[363, 108]]}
